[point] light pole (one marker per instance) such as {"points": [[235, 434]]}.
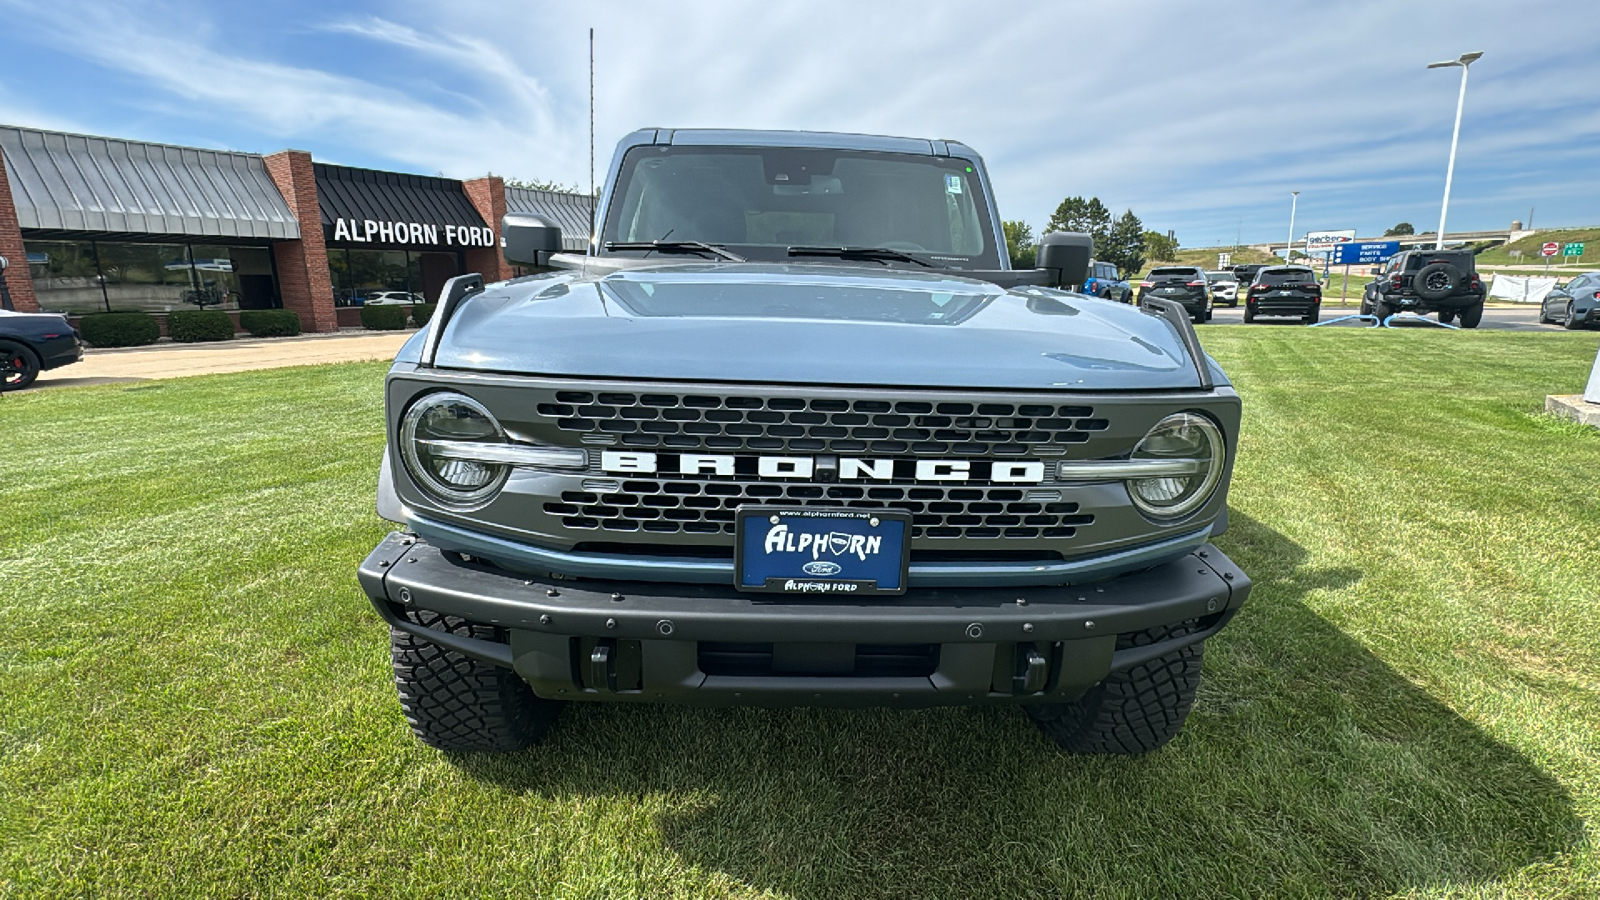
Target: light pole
{"points": [[1288, 248], [1465, 61]]}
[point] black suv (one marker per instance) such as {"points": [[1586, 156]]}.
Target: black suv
{"points": [[1186, 285], [1284, 291], [1424, 281]]}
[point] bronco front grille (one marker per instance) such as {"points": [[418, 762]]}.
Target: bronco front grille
{"points": [[767, 424], [673, 506]]}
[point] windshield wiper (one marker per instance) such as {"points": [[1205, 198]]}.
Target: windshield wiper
{"points": [[678, 247], [861, 253]]}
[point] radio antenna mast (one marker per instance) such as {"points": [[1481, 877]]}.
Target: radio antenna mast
{"points": [[591, 138]]}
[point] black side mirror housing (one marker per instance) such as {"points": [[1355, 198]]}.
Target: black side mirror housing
{"points": [[1066, 254], [523, 236]]}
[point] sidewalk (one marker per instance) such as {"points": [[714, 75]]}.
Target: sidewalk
{"points": [[126, 364]]}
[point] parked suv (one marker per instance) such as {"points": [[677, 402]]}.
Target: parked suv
{"points": [[1224, 288], [821, 446], [1285, 291], [1105, 282], [1424, 281], [1184, 285]]}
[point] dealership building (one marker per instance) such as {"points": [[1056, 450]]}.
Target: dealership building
{"points": [[111, 225]]}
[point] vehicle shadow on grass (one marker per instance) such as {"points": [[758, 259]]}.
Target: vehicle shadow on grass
{"points": [[1309, 767]]}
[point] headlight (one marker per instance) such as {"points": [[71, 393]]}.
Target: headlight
{"points": [[432, 434], [1191, 445]]}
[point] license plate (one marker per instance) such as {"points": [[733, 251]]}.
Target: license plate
{"points": [[821, 552]]}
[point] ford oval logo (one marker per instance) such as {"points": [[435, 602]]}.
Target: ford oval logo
{"points": [[820, 567]]}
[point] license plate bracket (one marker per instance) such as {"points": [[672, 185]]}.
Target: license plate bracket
{"points": [[822, 551]]}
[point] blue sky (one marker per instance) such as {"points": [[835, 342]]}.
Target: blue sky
{"points": [[1201, 117]]}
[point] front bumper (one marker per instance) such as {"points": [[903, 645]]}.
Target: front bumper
{"points": [[583, 639]]}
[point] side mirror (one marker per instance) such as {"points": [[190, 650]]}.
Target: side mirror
{"points": [[1067, 255], [523, 236]]}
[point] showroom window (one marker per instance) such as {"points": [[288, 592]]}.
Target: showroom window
{"points": [[80, 277], [393, 276]]}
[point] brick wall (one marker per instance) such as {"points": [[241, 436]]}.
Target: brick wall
{"points": [[488, 195], [303, 277], [17, 277]]}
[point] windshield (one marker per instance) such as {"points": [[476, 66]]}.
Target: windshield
{"points": [[1219, 276], [1286, 276], [760, 201], [1185, 274]]}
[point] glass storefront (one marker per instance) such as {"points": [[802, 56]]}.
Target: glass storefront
{"points": [[389, 276], [118, 276]]}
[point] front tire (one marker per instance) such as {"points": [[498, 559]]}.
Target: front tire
{"points": [[457, 703], [19, 366], [1133, 711]]}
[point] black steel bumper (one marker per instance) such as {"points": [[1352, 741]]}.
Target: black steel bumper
{"points": [[710, 644]]}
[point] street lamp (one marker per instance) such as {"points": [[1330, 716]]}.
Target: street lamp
{"points": [[1466, 60], [1288, 249]]}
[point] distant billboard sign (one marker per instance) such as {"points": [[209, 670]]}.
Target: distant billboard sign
{"points": [[1326, 240], [1364, 253]]}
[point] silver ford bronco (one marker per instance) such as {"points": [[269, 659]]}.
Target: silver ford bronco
{"points": [[793, 432]]}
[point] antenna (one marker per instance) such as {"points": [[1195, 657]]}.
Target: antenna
{"points": [[591, 138]]}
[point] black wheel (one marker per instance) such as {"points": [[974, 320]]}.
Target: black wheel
{"points": [[1313, 317], [1249, 315], [1382, 310], [1436, 281], [454, 702], [1447, 316], [1199, 317], [19, 366], [1544, 318], [1470, 315], [1366, 304], [1134, 711], [1571, 324]]}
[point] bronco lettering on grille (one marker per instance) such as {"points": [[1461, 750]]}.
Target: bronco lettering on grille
{"points": [[803, 467]]}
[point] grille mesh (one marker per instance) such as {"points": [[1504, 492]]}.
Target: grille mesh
{"points": [[707, 507], [907, 427]]}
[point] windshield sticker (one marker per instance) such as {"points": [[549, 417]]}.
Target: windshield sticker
{"points": [[952, 184]]}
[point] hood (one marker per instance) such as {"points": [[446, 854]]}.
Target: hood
{"points": [[812, 324]]}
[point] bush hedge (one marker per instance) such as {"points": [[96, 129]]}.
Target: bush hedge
{"points": [[383, 318], [188, 326], [421, 313], [120, 329], [270, 322]]}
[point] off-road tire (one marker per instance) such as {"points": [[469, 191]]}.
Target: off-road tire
{"points": [[1437, 281], [19, 366], [1446, 316], [1472, 315], [1382, 310], [456, 703], [1133, 711], [1571, 324]]}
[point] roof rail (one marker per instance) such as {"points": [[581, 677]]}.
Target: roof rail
{"points": [[1179, 317], [456, 291]]}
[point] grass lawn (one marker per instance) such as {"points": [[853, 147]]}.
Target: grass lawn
{"points": [[195, 697]]}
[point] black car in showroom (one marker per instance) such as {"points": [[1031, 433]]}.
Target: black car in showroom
{"points": [[1575, 304], [30, 343], [1284, 291], [1185, 285]]}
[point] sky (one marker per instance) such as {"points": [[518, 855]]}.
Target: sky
{"points": [[1200, 117]]}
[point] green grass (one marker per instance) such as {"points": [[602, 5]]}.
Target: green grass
{"points": [[1501, 256], [195, 698]]}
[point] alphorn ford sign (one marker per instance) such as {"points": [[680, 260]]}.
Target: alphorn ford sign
{"points": [[417, 234], [392, 210]]}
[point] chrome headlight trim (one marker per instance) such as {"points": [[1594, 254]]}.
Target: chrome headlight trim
{"points": [[437, 490], [1176, 470]]}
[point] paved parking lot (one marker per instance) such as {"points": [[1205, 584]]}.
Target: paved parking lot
{"points": [[1495, 318], [174, 360]]}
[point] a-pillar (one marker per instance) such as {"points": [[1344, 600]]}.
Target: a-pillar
{"points": [[488, 196], [303, 277], [18, 280]]}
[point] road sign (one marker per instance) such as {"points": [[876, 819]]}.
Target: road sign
{"points": [[1573, 249], [1549, 249], [1322, 243], [1223, 259], [1364, 253]]}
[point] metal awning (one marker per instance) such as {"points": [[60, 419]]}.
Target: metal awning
{"points": [[570, 211], [73, 182], [357, 195]]}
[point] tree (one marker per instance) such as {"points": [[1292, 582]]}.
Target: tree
{"points": [[1087, 216], [1125, 244], [1160, 247], [1020, 244], [1402, 228], [540, 185]]}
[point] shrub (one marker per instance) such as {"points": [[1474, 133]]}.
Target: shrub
{"points": [[421, 313], [120, 329], [193, 325], [383, 318], [270, 322]]}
